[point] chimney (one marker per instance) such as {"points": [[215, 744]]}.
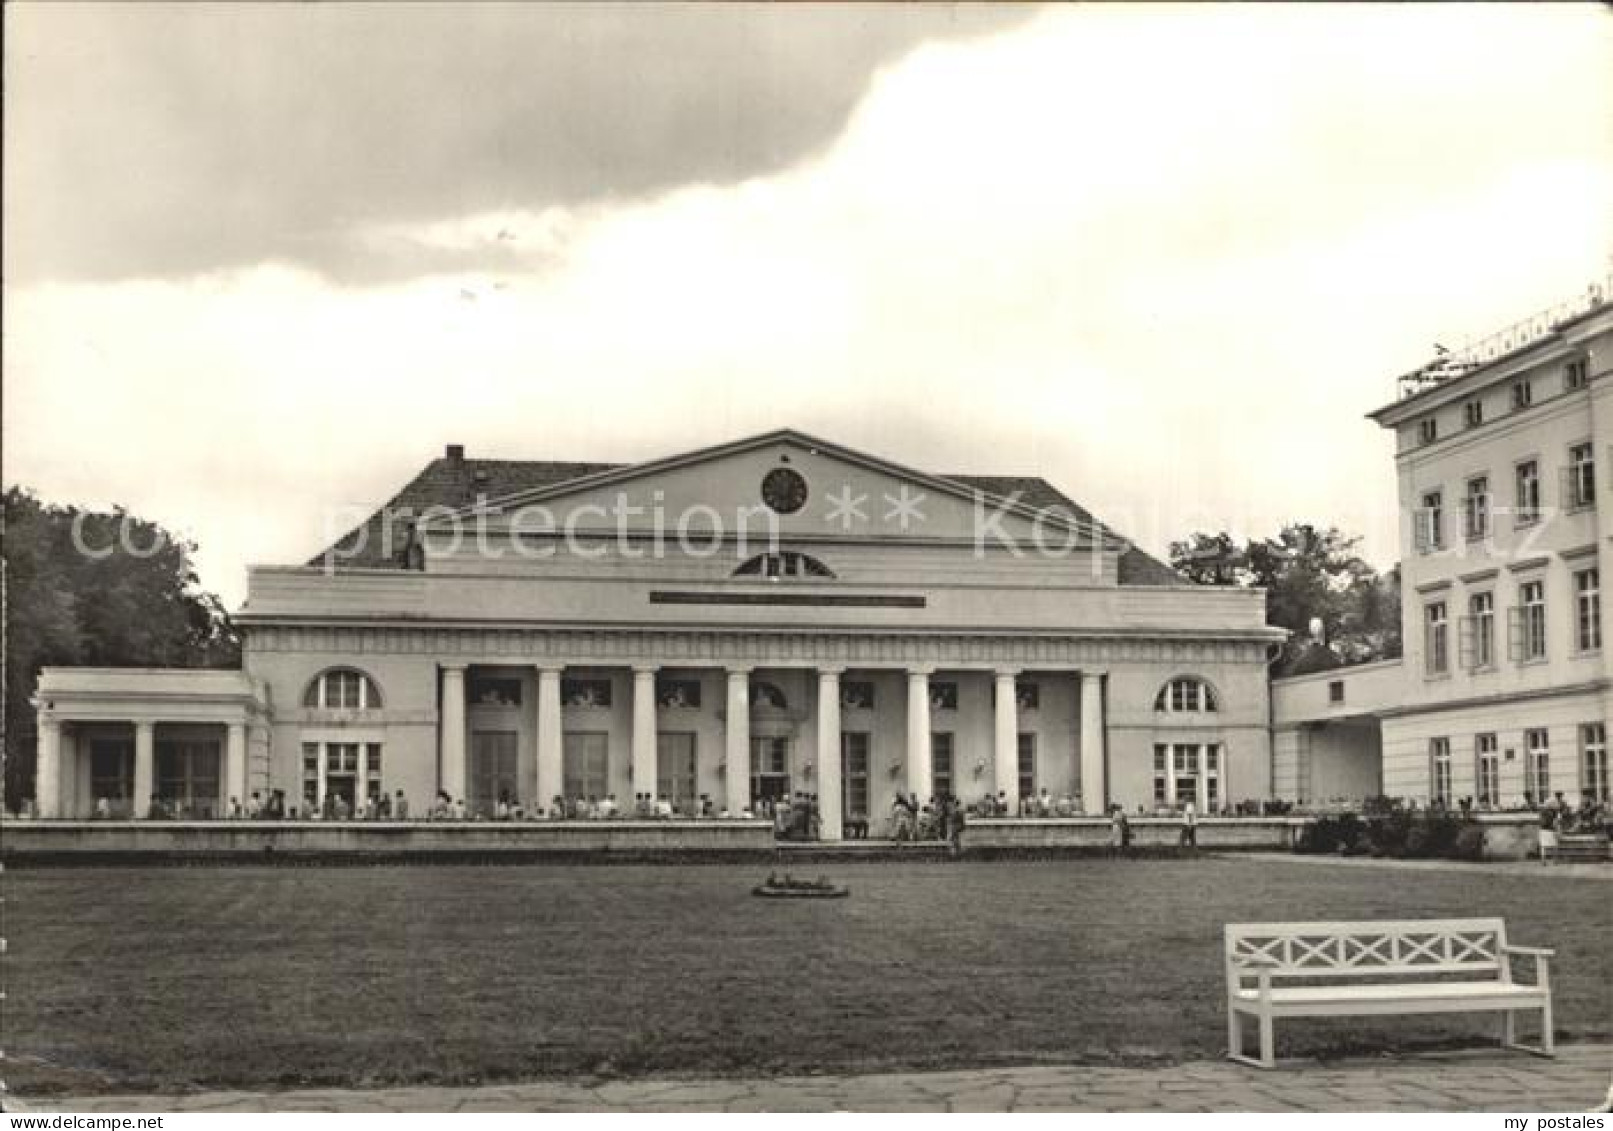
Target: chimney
{"points": [[455, 454]]}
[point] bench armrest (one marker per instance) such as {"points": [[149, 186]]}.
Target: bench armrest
{"points": [[1537, 951], [1259, 962]]}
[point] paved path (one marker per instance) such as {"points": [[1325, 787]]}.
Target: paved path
{"points": [[1533, 869], [1482, 1080]]}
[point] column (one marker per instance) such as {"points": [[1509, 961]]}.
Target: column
{"points": [[645, 775], [1006, 748], [1094, 787], [918, 733], [48, 769], [738, 740], [145, 741], [451, 773], [551, 746], [829, 768], [235, 763]]}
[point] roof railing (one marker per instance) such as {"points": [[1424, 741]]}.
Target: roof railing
{"points": [[1449, 364]]}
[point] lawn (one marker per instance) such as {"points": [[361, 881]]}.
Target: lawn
{"points": [[135, 978]]}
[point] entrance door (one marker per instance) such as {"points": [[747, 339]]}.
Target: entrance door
{"points": [[341, 775], [770, 770], [492, 770]]}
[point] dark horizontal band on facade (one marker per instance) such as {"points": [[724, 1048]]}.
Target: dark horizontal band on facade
{"points": [[836, 600]]}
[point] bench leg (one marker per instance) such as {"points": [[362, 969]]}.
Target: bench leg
{"points": [[1234, 1035], [1509, 1028], [1547, 1041], [1268, 1044]]}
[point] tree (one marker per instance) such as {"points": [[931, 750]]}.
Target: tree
{"points": [[1313, 579], [100, 589]]}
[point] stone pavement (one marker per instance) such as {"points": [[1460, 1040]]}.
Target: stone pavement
{"points": [[1479, 1080], [1533, 869]]}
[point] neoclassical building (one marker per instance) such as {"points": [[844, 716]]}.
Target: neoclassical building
{"points": [[1506, 689], [773, 615]]}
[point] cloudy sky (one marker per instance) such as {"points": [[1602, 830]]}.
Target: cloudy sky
{"points": [[264, 262]]}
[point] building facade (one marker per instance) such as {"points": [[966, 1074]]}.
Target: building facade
{"points": [[1506, 687], [743, 622]]}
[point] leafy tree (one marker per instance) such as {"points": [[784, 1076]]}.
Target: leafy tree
{"points": [[99, 589], [1314, 579]]}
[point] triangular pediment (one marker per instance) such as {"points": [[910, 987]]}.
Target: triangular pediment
{"points": [[808, 489]]}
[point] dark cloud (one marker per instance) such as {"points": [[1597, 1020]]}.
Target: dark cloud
{"points": [[154, 140]]}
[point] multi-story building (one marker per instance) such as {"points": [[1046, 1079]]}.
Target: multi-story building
{"points": [[1503, 458], [775, 615]]}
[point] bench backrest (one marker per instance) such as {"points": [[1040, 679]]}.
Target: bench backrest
{"points": [[1368, 949]]}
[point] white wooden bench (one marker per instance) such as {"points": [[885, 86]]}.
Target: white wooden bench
{"points": [[1357, 969]]}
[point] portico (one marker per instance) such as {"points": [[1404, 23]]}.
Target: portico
{"points": [[854, 735], [128, 736]]}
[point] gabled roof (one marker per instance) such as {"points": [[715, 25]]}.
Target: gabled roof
{"points": [[456, 483]]}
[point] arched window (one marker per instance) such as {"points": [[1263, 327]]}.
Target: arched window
{"points": [[345, 689], [1186, 693], [786, 563]]}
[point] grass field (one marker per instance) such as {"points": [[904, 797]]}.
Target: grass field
{"points": [[130, 978]]}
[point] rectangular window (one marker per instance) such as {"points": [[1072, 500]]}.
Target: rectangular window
{"points": [[1575, 374], [1185, 762], [372, 772], [1439, 756], [1579, 488], [677, 694], [1487, 769], [1593, 760], [1523, 394], [1212, 779], [1427, 430], [1478, 633], [675, 771], [493, 691], [1430, 534], [188, 777], [1473, 413], [1587, 610], [112, 774], [1537, 763], [585, 693], [943, 695], [854, 748], [585, 765], [1476, 508], [1527, 480], [769, 769], [1162, 778], [310, 777], [1435, 646], [942, 783], [1532, 598], [1335, 691], [1027, 765]]}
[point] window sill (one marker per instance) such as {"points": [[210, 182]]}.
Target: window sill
{"points": [[1577, 508], [1524, 522], [1434, 677], [1533, 661], [1482, 669]]}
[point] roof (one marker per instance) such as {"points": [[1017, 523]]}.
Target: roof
{"points": [[454, 483]]}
